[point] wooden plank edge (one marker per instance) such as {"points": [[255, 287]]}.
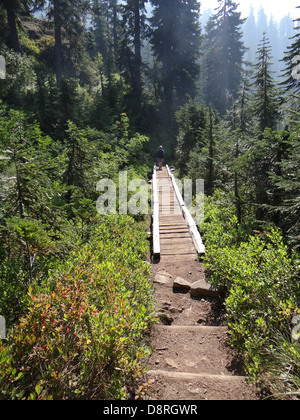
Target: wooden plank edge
{"points": [[190, 375]]}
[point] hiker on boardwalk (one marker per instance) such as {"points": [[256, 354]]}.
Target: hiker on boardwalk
{"points": [[160, 157]]}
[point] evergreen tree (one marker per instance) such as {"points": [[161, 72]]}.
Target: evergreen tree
{"points": [[191, 120], [134, 30], [287, 181], [27, 215], [266, 108], [249, 37], [262, 23], [223, 55], [211, 153], [175, 40], [199, 142], [240, 125], [292, 73], [13, 9], [266, 102], [106, 21], [68, 17], [286, 31]]}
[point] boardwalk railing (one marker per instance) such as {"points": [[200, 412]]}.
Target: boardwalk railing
{"points": [[155, 216], [200, 248], [192, 227]]}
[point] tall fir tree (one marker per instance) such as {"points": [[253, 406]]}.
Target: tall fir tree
{"points": [[13, 9], [106, 23], [176, 40], [287, 181], [240, 124], [267, 106], [191, 120], [223, 56], [134, 31], [291, 58], [289, 40], [68, 17], [292, 73]]}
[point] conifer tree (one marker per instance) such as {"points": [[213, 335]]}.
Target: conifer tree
{"points": [[266, 102], [27, 217], [291, 58], [292, 75], [266, 148], [106, 21], [191, 119], [175, 40], [223, 55], [68, 17], [13, 9], [240, 125], [134, 31], [287, 181]]}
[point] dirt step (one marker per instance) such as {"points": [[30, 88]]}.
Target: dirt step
{"points": [[194, 387], [190, 375], [194, 363], [193, 349]]}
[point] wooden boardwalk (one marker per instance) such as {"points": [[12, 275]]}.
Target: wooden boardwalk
{"points": [[174, 231], [191, 360]]}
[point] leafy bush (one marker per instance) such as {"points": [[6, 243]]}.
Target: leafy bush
{"points": [[260, 280], [84, 332]]}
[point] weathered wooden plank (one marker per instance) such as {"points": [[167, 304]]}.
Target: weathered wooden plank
{"points": [[169, 224], [179, 258], [167, 229], [171, 239], [178, 254], [172, 222], [178, 247], [177, 251], [166, 235]]}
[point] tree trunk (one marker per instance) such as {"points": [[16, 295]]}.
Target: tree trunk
{"points": [[58, 43], [210, 187], [238, 204], [115, 31], [13, 32], [137, 51]]}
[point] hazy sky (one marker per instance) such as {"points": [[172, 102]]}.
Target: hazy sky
{"points": [[277, 8]]}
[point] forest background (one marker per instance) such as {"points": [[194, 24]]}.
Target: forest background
{"points": [[93, 87]]}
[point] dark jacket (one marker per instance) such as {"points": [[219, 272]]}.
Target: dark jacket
{"points": [[160, 154]]}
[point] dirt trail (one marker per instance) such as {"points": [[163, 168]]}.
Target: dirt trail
{"points": [[191, 360]]}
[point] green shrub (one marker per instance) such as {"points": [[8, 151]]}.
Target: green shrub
{"points": [[84, 332], [260, 280]]}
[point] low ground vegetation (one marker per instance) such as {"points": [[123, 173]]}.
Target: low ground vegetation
{"points": [[259, 278]]}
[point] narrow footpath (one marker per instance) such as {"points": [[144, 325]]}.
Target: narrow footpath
{"points": [[191, 360]]}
